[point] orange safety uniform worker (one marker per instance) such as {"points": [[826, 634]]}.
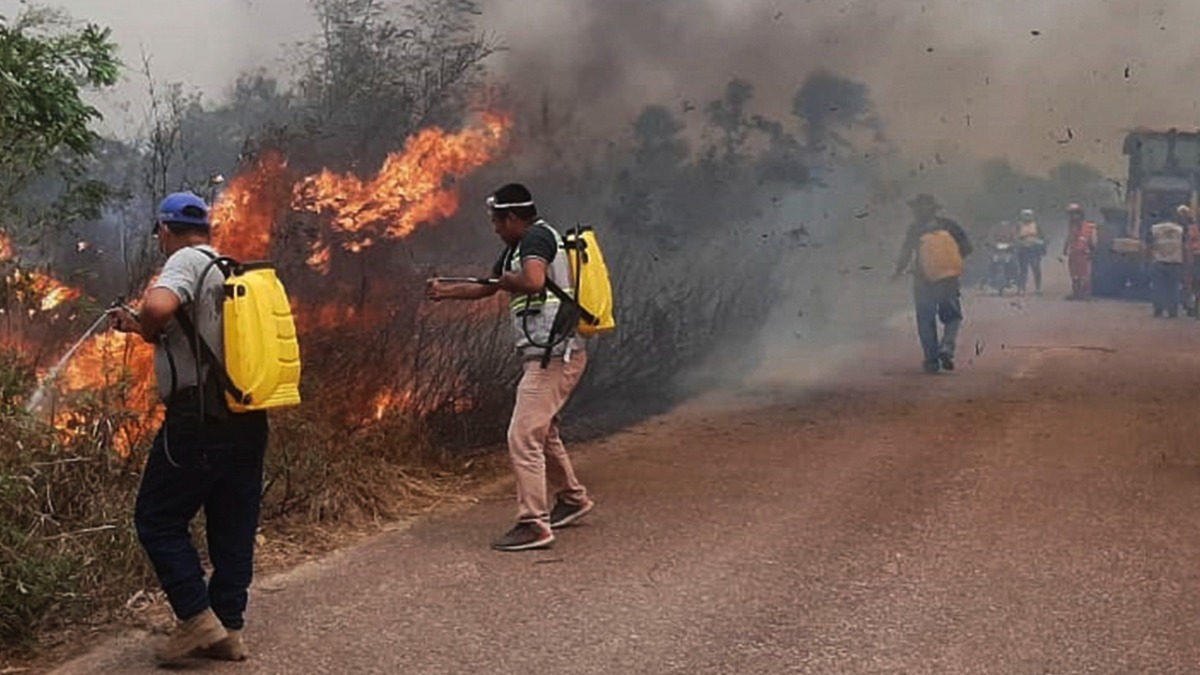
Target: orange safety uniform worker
{"points": [[1079, 248]]}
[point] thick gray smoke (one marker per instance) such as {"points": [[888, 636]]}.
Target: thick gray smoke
{"points": [[1039, 81], [952, 81]]}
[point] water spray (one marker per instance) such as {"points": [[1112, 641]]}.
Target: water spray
{"points": [[39, 395]]}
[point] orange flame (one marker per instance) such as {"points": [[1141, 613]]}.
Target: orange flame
{"points": [[102, 362], [387, 400], [57, 296], [245, 214], [414, 186], [319, 257], [41, 289]]}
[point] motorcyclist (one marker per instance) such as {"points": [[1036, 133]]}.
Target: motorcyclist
{"points": [[1002, 268]]}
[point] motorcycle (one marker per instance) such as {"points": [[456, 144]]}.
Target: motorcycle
{"points": [[1003, 269]]}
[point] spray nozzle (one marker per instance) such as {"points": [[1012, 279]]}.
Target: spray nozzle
{"points": [[119, 303]]}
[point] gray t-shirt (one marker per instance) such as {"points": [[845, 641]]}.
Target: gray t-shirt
{"points": [[179, 275]]}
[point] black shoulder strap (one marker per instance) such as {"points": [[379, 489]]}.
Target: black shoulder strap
{"points": [[202, 352], [564, 297], [208, 356]]}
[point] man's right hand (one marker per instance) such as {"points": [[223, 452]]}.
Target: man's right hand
{"points": [[436, 290], [122, 320]]}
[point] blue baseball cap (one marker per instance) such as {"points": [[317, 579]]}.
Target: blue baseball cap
{"points": [[183, 208]]}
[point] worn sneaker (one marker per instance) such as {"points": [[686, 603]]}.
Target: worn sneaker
{"points": [[232, 648], [565, 513], [198, 632], [525, 537], [931, 367], [947, 362]]}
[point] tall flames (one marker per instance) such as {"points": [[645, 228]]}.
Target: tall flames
{"points": [[413, 187]]}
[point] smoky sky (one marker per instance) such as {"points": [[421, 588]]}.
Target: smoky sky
{"points": [[1038, 81]]}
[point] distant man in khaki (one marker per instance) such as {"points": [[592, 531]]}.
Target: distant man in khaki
{"points": [[1166, 242], [534, 255]]}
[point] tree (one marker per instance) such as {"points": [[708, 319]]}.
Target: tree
{"points": [[729, 115], [377, 73], [828, 103], [658, 146], [46, 62]]}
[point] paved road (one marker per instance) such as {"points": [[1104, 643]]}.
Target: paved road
{"points": [[1036, 512]]}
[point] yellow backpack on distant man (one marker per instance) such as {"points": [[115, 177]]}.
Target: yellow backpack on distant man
{"points": [[939, 256]]}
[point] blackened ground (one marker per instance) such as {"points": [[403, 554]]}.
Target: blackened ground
{"points": [[1037, 511]]}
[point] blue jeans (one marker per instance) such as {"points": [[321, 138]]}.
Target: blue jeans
{"points": [[935, 305], [1030, 260], [217, 466], [1166, 279]]}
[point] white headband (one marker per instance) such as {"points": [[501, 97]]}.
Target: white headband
{"points": [[491, 203]]}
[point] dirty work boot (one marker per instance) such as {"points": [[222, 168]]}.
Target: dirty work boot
{"points": [[564, 513], [525, 537], [232, 648], [198, 632], [947, 361]]}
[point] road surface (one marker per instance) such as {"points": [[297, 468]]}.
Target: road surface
{"points": [[1037, 511]]}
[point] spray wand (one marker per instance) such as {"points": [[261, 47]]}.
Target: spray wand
{"points": [[467, 280], [39, 394]]}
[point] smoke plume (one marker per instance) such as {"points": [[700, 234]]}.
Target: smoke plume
{"points": [[1039, 81]]}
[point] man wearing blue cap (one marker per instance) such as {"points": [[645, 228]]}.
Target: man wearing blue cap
{"points": [[204, 456]]}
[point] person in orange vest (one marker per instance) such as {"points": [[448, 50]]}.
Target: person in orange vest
{"points": [[1078, 249], [1191, 271]]}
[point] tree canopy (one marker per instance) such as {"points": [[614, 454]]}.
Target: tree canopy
{"points": [[46, 63]]}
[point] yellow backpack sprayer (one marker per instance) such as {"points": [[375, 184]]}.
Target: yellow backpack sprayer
{"points": [[588, 310], [261, 368]]}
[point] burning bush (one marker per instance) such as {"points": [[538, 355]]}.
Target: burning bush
{"points": [[66, 547]]}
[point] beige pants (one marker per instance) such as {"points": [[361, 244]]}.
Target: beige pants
{"points": [[537, 452]]}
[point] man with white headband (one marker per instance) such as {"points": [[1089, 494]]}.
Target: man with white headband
{"points": [[553, 359]]}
